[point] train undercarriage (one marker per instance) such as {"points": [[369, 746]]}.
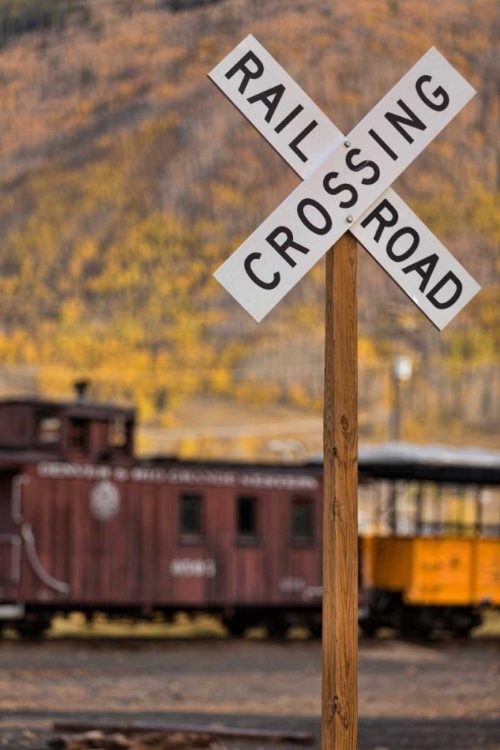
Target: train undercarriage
{"points": [[387, 609], [33, 621]]}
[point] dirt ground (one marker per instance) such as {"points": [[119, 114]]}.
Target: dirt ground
{"points": [[435, 697]]}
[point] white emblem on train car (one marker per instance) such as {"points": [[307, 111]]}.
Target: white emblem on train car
{"points": [[188, 567], [104, 501]]}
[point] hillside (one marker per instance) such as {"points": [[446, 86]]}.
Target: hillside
{"points": [[126, 178]]}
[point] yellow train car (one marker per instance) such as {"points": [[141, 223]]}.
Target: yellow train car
{"points": [[431, 561], [437, 572]]}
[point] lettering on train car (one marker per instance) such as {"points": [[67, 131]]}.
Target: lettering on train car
{"points": [[212, 478], [178, 475], [279, 481], [188, 567]]}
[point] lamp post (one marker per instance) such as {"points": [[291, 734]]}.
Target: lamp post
{"points": [[402, 368], [401, 371]]}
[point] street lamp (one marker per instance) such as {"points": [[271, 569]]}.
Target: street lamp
{"points": [[401, 371]]}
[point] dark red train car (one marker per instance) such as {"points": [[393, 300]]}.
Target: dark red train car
{"points": [[85, 527]]}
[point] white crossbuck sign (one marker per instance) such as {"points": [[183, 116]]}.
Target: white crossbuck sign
{"points": [[346, 183]]}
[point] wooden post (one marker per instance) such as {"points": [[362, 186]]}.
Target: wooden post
{"points": [[340, 506]]}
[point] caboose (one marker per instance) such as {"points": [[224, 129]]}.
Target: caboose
{"points": [[86, 527]]}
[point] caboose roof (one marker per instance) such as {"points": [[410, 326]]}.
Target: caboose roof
{"points": [[76, 408], [13, 459]]}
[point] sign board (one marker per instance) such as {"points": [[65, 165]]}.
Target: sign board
{"points": [[276, 106], [349, 181], [414, 257]]}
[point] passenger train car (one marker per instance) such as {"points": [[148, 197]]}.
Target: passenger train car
{"points": [[85, 526], [430, 537]]}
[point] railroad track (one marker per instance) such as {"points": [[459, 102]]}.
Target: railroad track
{"points": [[102, 642]]}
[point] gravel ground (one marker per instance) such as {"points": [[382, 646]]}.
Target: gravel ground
{"points": [[438, 697]]}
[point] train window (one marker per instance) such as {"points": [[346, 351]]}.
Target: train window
{"points": [[117, 432], [302, 522], [191, 522], [79, 433], [48, 429], [246, 518]]}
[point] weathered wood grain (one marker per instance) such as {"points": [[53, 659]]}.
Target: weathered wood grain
{"points": [[340, 552]]}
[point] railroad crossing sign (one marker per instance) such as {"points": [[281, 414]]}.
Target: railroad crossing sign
{"points": [[346, 187], [346, 183]]}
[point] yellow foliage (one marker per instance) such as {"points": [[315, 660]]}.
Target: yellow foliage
{"points": [[126, 180]]}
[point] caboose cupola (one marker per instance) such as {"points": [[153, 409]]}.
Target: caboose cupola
{"points": [[79, 430]]}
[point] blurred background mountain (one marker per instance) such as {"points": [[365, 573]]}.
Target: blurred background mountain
{"points": [[126, 178]]}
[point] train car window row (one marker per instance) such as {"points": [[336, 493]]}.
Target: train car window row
{"points": [[428, 508], [247, 525]]}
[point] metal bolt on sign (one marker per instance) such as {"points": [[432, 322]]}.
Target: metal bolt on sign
{"points": [[345, 198]]}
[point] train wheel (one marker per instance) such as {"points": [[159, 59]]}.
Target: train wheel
{"points": [[316, 629], [462, 621], [276, 628], [236, 627], [368, 628], [32, 627], [413, 624], [462, 632]]}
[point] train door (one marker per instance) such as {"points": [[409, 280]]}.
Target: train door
{"points": [[248, 535], [10, 538]]}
